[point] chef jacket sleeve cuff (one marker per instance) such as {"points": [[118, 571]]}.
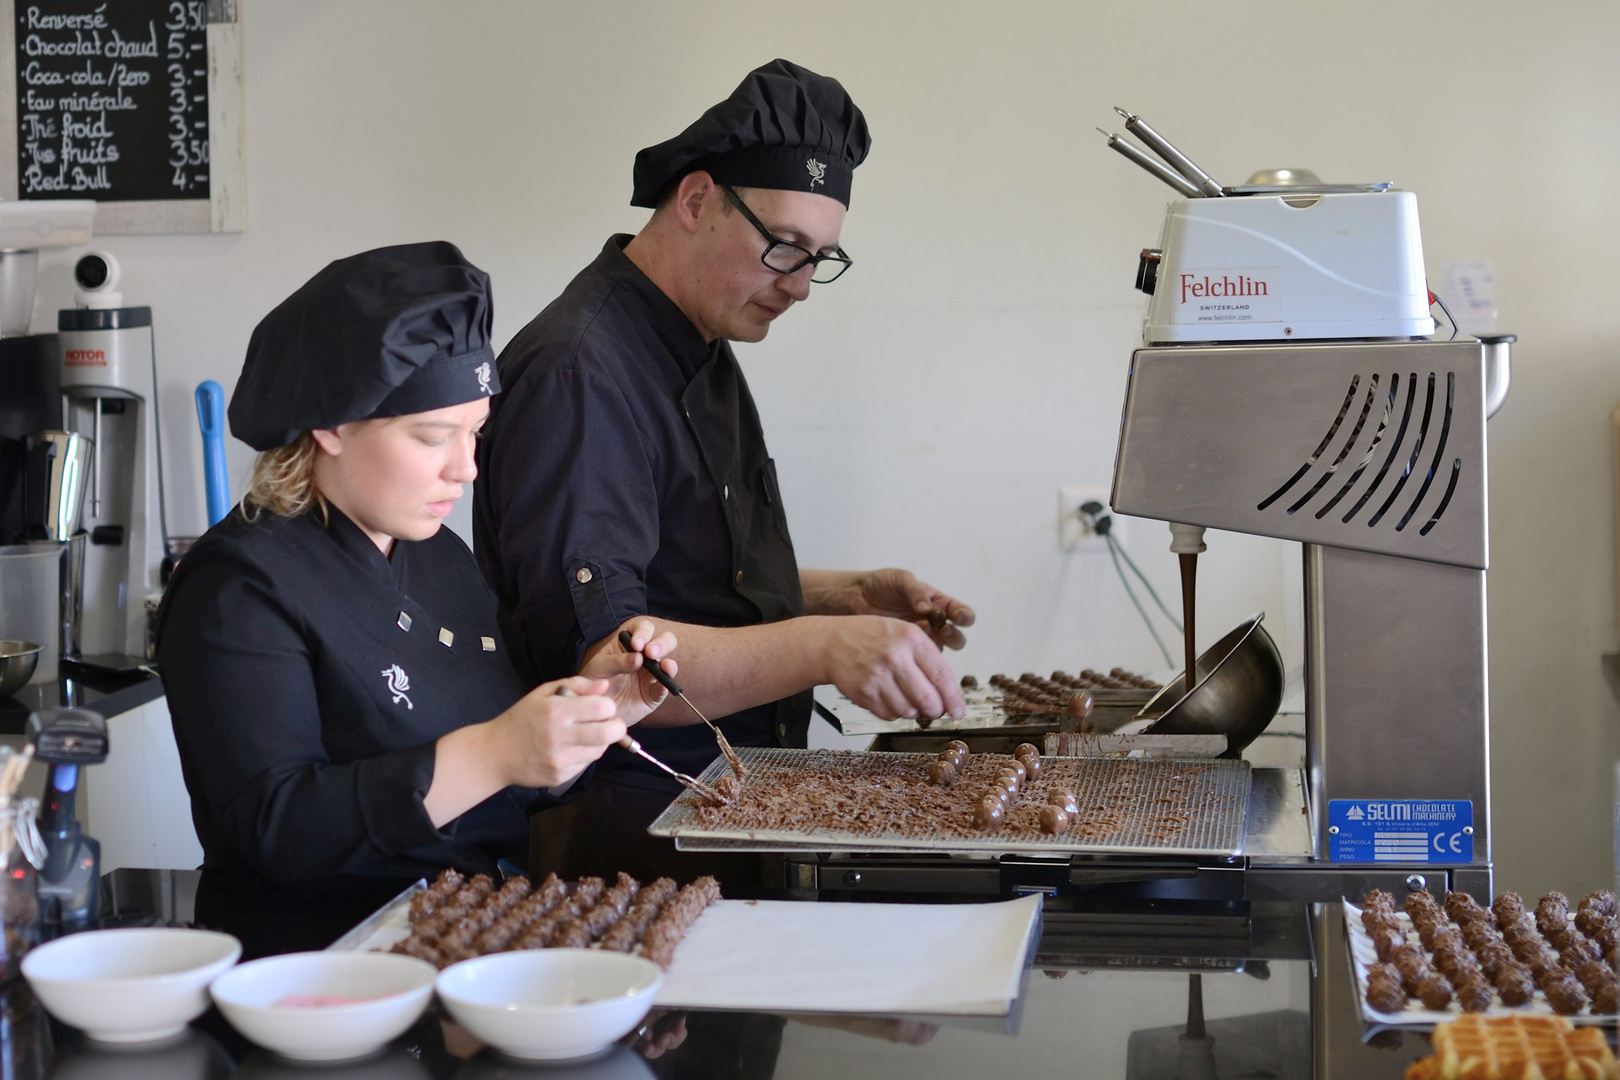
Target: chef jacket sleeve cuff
{"points": [[603, 599], [392, 827]]}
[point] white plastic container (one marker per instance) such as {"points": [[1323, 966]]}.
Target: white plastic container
{"points": [[1296, 267]]}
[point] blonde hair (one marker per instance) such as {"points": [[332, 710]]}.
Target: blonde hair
{"points": [[283, 481]]}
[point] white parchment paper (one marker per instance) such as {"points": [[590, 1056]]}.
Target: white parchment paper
{"points": [[787, 956]]}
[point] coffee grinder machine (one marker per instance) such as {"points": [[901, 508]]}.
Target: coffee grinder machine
{"points": [[108, 381], [1291, 385], [40, 466]]}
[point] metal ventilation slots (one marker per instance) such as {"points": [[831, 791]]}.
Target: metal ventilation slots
{"points": [[1396, 457]]}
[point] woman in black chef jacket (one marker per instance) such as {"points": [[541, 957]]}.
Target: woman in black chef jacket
{"points": [[345, 710]]}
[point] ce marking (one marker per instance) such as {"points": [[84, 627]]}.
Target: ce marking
{"points": [[1454, 843]]}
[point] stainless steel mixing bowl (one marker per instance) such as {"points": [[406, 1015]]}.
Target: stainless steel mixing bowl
{"points": [[17, 662], [1238, 685]]}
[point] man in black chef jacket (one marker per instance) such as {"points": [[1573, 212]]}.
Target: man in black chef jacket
{"points": [[624, 470]]}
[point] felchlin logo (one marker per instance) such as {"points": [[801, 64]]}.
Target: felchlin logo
{"points": [[818, 172], [482, 371], [1194, 287]]}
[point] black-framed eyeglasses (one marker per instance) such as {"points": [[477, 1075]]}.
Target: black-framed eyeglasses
{"points": [[786, 257]]}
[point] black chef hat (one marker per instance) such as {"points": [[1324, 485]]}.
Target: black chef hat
{"points": [[783, 127], [389, 332]]}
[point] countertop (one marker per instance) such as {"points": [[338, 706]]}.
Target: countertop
{"points": [[1108, 996], [107, 694]]}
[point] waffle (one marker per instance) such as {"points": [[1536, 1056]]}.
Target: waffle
{"points": [[1515, 1048]]}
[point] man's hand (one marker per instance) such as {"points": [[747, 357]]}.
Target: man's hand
{"points": [[890, 667], [891, 592], [632, 688]]}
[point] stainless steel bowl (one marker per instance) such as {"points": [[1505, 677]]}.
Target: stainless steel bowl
{"points": [[1238, 687], [17, 662]]}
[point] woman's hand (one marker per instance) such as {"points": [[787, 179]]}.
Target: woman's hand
{"points": [[632, 688], [550, 737], [545, 740]]}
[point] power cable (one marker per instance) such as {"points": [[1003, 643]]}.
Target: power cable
{"points": [[1113, 553]]}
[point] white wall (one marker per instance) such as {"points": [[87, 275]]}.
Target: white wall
{"points": [[924, 410]]}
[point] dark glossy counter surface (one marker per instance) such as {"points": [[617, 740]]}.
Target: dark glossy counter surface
{"points": [[1109, 997], [109, 695]]}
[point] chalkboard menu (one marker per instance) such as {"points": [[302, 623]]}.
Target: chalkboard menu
{"points": [[136, 104], [112, 99]]}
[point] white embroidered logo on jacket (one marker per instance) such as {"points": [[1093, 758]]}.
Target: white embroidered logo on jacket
{"points": [[398, 684], [482, 371], [817, 170]]}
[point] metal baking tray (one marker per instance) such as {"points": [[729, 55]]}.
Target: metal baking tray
{"points": [[1219, 788]]}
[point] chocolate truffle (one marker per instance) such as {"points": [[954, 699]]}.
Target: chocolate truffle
{"points": [[957, 745], [1054, 819], [1565, 995], [1434, 992], [987, 815], [1515, 986], [1378, 899], [1385, 939], [1604, 902], [1578, 951], [1417, 901], [1593, 974], [1384, 990], [942, 774], [1494, 957], [1475, 995], [969, 682]]}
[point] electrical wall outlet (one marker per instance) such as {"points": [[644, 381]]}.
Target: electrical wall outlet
{"points": [[1077, 531]]}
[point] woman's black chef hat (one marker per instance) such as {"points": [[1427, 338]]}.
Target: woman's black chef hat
{"points": [[783, 127], [389, 332]]}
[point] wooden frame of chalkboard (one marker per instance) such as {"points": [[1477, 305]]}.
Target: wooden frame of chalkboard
{"points": [[134, 103]]}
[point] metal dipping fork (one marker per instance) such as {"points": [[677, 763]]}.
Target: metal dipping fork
{"points": [[657, 671], [635, 748]]}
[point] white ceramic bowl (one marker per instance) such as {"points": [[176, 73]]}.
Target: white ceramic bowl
{"points": [[133, 985], [387, 993], [550, 1004]]}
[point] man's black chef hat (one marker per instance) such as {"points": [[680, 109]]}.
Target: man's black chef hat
{"points": [[389, 332], [783, 127]]}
